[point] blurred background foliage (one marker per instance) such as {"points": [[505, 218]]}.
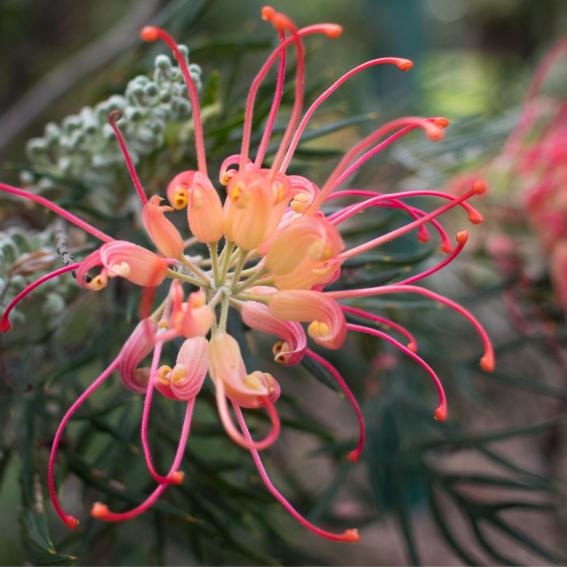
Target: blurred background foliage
{"points": [[487, 487]]}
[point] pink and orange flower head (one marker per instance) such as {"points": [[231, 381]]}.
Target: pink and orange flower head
{"points": [[274, 249]]}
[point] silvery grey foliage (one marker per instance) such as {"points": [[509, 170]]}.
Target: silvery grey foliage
{"points": [[24, 256], [83, 148]]}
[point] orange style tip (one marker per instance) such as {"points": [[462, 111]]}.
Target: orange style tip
{"points": [[440, 414], [412, 346], [479, 186], [435, 134], [71, 522], [476, 218], [487, 363], [99, 511], [177, 477], [354, 456], [405, 64], [351, 535], [446, 248], [462, 236], [5, 325], [441, 122], [149, 33], [333, 30], [423, 237], [267, 13]]}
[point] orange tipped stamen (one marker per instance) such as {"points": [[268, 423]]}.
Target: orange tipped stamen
{"points": [[149, 33], [487, 362], [405, 64], [479, 187], [441, 122], [99, 511], [351, 535], [177, 477], [353, 456], [441, 413], [462, 236], [71, 522]]}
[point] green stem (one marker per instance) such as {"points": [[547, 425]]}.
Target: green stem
{"points": [[196, 270], [215, 261], [186, 278], [224, 313], [252, 279], [238, 269], [226, 258]]}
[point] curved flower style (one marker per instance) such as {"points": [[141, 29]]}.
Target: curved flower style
{"points": [[280, 249]]}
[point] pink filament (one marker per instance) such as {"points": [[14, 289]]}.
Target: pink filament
{"points": [[268, 129], [324, 96], [426, 273], [441, 410], [407, 228], [297, 105], [148, 35], [417, 122], [354, 455], [5, 324], [487, 360], [69, 520], [70, 217], [234, 434], [412, 343], [108, 516], [169, 479], [347, 535], [370, 153], [112, 120], [247, 127], [474, 215], [414, 212]]}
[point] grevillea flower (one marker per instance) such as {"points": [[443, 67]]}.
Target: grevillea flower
{"points": [[279, 250], [532, 169]]}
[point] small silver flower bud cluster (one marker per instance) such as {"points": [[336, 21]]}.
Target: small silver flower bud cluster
{"points": [[83, 148], [25, 254]]}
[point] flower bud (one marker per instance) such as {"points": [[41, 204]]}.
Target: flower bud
{"points": [[161, 230]]}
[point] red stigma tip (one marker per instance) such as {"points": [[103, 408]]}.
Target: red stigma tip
{"points": [[487, 363], [462, 236], [267, 13], [99, 511], [278, 19], [446, 248], [333, 30], [412, 346], [353, 456], [475, 217], [351, 535], [405, 64], [441, 413], [71, 522], [423, 236], [177, 477], [149, 33], [441, 122], [479, 186], [5, 325]]}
